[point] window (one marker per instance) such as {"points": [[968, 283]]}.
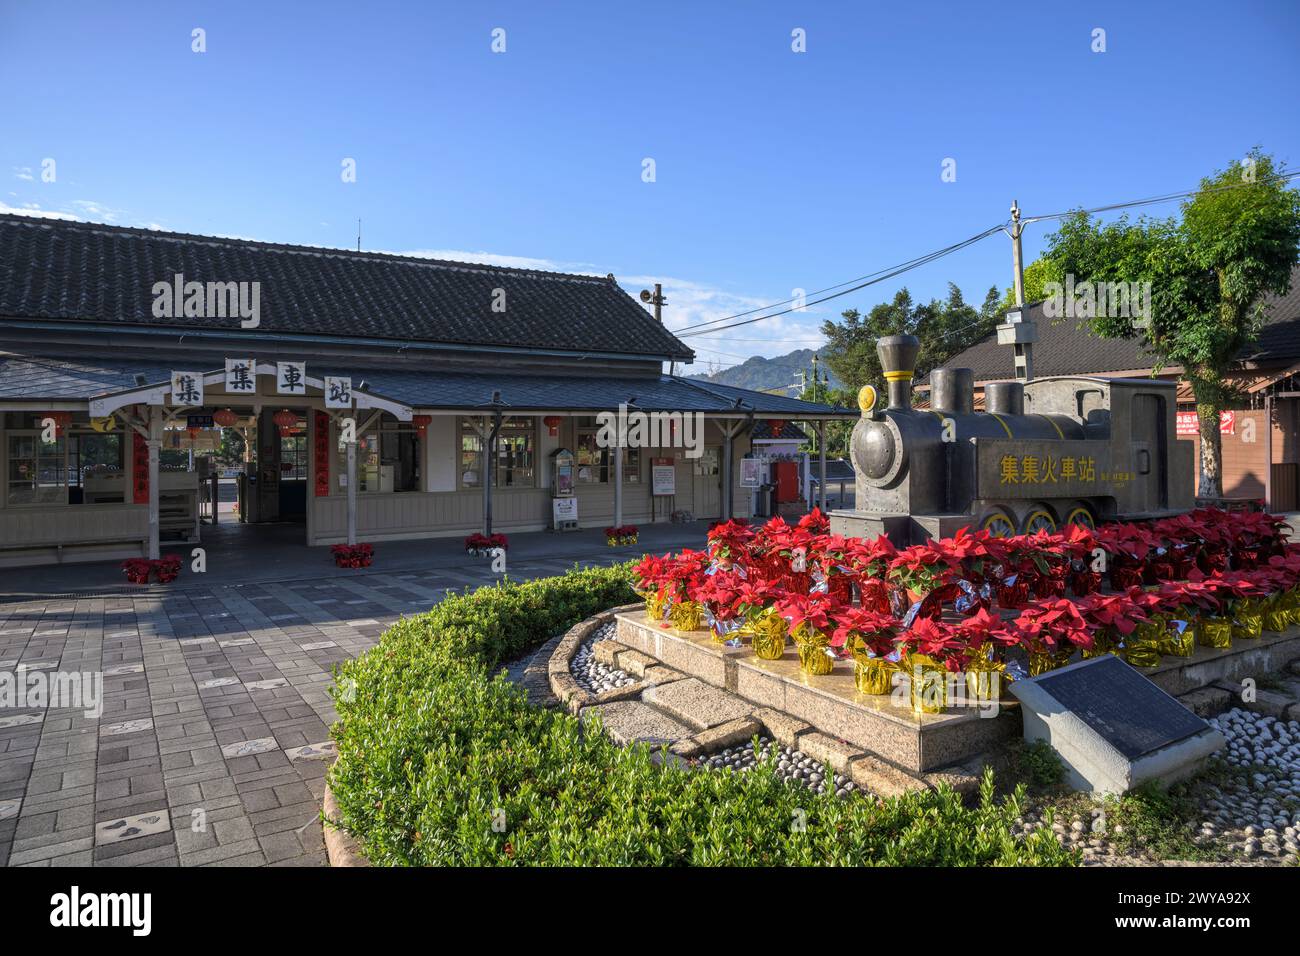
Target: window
{"points": [[595, 465], [38, 471], [388, 458], [516, 458], [293, 457]]}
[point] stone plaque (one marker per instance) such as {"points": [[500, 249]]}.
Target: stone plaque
{"points": [[1113, 728], [1134, 715]]}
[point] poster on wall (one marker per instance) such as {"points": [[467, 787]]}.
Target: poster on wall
{"points": [[1189, 424], [663, 476], [139, 470], [321, 447], [751, 472]]}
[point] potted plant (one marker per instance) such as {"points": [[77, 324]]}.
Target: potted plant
{"points": [[928, 650], [1051, 631], [869, 636], [352, 555], [810, 625], [767, 630], [137, 570], [982, 640], [167, 568]]}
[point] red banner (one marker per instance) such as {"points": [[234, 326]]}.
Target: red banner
{"points": [[139, 470], [1189, 424], [322, 447]]}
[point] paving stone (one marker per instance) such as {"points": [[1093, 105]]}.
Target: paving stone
{"points": [[696, 703], [631, 721], [883, 779]]}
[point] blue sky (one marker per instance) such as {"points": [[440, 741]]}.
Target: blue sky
{"points": [[775, 170]]}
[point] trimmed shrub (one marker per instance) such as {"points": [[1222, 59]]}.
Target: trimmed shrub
{"points": [[442, 763]]}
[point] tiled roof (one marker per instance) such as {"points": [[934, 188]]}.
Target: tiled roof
{"points": [[57, 270], [34, 377], [1063, 348]]}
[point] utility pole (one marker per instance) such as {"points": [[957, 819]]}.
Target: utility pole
{"points": [[657, 299], [1016, 331]]}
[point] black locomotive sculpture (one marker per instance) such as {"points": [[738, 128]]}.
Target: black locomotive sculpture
{"points": [[1043, 454]]}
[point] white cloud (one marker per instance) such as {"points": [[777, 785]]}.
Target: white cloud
{"points": [[31, 209], [691, 303]]}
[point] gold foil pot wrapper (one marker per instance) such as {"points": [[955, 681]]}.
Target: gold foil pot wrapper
{"points": [[927, 684], [873, 675], [687, 616], [654, 604], [1276, 616], [1291, 602], [1040, 662], [814, 660], [1216, 632], [984, 679], [1181, 637], [1142, 647], [767, 634], [1248, 621], [1102, 644]]}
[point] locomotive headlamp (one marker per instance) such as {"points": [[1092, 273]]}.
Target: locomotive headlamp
{"points": [[867, 399]]}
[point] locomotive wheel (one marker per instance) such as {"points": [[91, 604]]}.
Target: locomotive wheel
{"points": [[1082, 516], [998, 524], [1038, 519]]}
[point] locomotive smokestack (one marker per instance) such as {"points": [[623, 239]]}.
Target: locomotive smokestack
{"points": [[898, 362], [1005, 398], [952, 390]]}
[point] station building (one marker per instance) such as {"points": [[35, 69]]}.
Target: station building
{"points": [[380, 396]]}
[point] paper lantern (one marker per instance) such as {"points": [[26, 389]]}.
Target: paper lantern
{"points": [[421, 423], [225, 417], [284, 420], [776, 425], [552, 422]]}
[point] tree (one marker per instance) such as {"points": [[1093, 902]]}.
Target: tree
{"points": [[1236, 242], [943, 326]]}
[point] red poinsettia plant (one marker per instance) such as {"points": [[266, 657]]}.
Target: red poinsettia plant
{"points": [[352, 555], [857, 627]]}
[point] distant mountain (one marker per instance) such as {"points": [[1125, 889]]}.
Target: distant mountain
{"points": [[763, 374]]}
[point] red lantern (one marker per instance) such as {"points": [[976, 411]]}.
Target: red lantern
{"points": [[284, 420], [225, 418], [421, 423], [776, 425], [552, 422]]}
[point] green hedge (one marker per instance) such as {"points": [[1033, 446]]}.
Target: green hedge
{"points": [[442, 763]]}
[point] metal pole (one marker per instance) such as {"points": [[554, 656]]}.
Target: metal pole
{"points": [[352, 492], [821, 462]]}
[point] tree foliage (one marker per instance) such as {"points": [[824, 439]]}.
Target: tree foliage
{"points": [[1209, 272], [944, 327]]}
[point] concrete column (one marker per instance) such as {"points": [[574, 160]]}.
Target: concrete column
{"points": [[485, 473], [352, 492], [618, 483]]}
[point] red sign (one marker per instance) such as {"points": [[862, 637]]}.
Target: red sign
{"points": [[1189, 424], [322, 449], [139, 470]]}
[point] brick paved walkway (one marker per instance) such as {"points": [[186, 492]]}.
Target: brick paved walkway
{"points": [[214, 737]]}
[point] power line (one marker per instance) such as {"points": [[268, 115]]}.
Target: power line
{"points": [[691, 331], [881, 276], [1155, 200]]}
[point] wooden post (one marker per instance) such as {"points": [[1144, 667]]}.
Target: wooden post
{"points": [[618, 482], [821, 462], [154, 444], [352, 490]]}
